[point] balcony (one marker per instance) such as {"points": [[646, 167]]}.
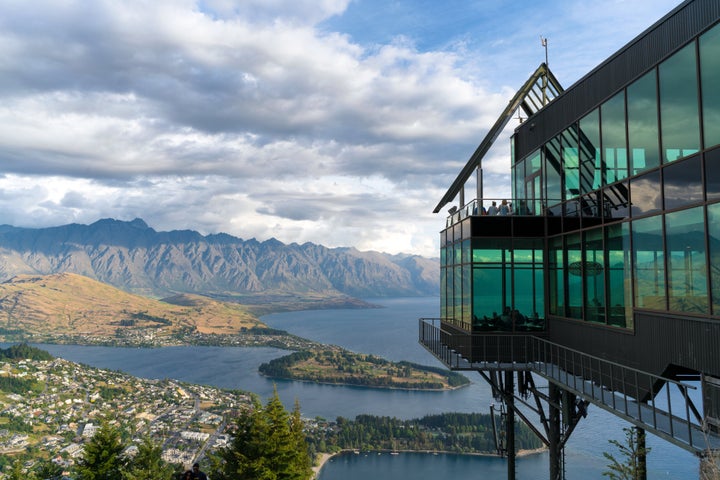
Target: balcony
{"points": [[661, 406]]}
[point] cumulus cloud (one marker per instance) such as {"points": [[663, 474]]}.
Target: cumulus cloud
{"points": [[255, 118]]}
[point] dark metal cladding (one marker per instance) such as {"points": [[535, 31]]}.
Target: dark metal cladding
{"points": [[668, 35]]}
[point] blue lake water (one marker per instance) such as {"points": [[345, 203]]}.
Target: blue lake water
{"points": [[391, 332]]}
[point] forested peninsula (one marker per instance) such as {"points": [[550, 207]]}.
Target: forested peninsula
{"points": [[466, 433], [342, 367]]}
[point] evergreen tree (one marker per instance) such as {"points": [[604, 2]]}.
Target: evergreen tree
{"points": [[630, 468], [48, 470], [268, 445], [148, 463], [102, 456]]}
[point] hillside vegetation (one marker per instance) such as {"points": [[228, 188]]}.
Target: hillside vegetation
{"points": [[70, 304]]}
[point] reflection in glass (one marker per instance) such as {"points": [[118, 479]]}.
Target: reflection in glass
{"points": [[553, 171], [615, 202], [645, 193], [614, 149], [556, 274], [574, 278], [712, 174], [710, 72], [528, 290], [713, 212], [643, 123], [648, 258], [571, 164], [682, 183], [593, 271], [685, 243], [619, 275], [590, 158], [679, 114]]}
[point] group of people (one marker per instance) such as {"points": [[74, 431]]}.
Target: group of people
{"points": [[504, 209], [194, 474]]}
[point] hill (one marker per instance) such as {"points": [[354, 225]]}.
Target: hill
{"points": [[136, 258], [70, 304]]}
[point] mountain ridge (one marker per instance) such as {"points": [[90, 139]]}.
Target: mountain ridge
{"points": [[134, 257]]}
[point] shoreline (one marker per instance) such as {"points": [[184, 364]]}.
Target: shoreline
{"points": [[323, 458]]}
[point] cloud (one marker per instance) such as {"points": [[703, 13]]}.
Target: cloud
{"points": [[263, 117]]}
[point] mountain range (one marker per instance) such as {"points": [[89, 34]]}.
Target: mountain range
{"points": [[136, 258]]}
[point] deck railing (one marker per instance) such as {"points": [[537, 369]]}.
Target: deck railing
{"points": [[640, 397]]}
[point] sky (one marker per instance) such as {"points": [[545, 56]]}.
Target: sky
{"points": [[336, 122]]}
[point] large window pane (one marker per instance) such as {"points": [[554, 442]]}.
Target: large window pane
{"points": [[575, 276], [682, 183], [685, 243], [679, 114], [591, 177], [646, 193], [528, 289], [649, 263], [712, 174], [593, 272], [618, 275], [710, 77], [614, 149], [571, 165], [713, 212], [643, 133], [556, 276]]}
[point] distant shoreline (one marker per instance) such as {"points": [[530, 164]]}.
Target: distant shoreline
{"points": [[323, 458]]}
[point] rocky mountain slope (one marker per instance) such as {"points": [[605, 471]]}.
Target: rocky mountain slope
{"points": [[136, 258]]}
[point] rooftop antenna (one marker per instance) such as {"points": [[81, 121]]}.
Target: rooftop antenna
{"points": [[543, 41]]}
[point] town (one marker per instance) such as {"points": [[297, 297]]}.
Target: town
{"points": [[53, 406]]}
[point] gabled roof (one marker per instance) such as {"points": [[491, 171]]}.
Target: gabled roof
{"points": [[530, 98]]}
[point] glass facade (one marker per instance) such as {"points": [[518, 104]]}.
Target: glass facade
{"points": [[636, 184]]}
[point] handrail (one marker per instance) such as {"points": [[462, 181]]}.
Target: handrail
{"points": [[610, 385]]}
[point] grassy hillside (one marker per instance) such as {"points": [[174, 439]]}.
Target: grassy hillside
{"points": [[67, 303]]}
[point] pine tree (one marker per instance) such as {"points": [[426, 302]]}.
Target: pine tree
{"points": [[148, 463], [268, 445], [102, 455], [630, 468]]}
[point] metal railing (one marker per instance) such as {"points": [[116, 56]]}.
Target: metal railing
{"points": [[513, 207], [624, 391]]}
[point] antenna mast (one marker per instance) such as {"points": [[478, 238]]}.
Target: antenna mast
{"points": [[544, 42]]}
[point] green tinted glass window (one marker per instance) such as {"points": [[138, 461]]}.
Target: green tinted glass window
{"points": [[593, 272], [556, 276], [575, 276], [591, 177], [617, 245], [710, 77], [614, 149], [643, 133], [679, 114], [571, 163], [685, 243], [648, 257], [713, 212]]}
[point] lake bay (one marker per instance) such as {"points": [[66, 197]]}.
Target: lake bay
{"points": [[391, 332]]}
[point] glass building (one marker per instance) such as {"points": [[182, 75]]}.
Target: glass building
{"points": [[608, 252]]}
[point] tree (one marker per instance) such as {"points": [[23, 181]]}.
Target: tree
{"points": [[630, 468], [148, 463], [268, 445], [102, 456], [17, 472], [47, 470]]}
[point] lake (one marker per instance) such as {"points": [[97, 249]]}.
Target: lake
{"points": [[391, 332]]}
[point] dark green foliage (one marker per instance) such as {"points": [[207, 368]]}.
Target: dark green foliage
{"points": [[148, 463], [16, 385], [101, 458], [47, 470], [24, 351], [628, 467], [450, 432], [268, 445]]}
